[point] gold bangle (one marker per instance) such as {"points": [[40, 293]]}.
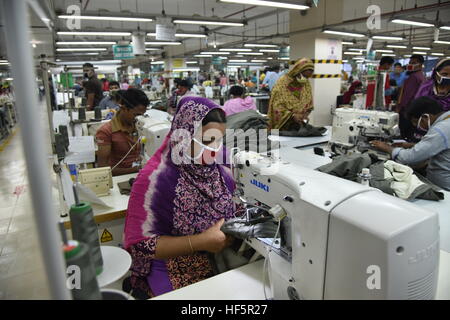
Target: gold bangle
{"points": [[190, 243]]}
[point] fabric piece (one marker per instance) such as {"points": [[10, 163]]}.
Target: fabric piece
{"points": [[241, 229], [404, 182], [291, 96], [306, 130], [348, 166], [173, 198], [237, 105]]}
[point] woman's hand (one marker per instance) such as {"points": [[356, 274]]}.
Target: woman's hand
{"points": [[382, 146], [213, 239]]}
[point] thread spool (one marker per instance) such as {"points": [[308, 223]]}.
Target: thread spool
{"points": [[98, 113], [84, 229], [78, 254], [81, 113]]}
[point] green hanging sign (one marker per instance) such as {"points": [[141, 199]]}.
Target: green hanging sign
{"points": [[123, 51], [66, 80]]}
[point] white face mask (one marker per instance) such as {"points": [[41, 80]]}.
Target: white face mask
{"points": [[420, 119], [445, 81], [205, 147]]}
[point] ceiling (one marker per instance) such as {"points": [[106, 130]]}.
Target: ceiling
{"points": [[264, 24]]}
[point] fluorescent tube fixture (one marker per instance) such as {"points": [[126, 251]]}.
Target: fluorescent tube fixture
{"points": [[343, 33], [93, 33], [191, 62], [157, 62], [387, 38], [445, 28], [259, 60], [203, 55], [285, 58], [347, 43], [388, 55], [81, 49], [412, 23], [105, 18], [182, 35], [84, 42], [384, 51], [214, 52], [353, 53], [232, 60], [421, 48], [269, 50], [185, 69], [251, 53], [276, 4], [163, 43], [260, 45], [354, 49], [420, 52], [235, 49], [442, 42], [396, 46], [209, 22], [152, 49], [437, 54]]}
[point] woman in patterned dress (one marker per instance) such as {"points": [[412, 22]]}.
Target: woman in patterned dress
{"points": [[178, 203], [291, 99]]}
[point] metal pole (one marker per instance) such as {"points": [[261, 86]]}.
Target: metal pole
{"points": [[16, 26]]}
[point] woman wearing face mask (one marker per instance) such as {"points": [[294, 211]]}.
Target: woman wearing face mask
{"points": [[291, 99], [438, 87], [179, 202], [429, 116]]}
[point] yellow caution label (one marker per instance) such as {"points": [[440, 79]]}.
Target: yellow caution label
{"points": [[106, 236], [326, 76], [327, 61]]}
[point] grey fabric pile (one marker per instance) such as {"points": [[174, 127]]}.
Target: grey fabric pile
{"points": [[349, 166], [306, 130]]}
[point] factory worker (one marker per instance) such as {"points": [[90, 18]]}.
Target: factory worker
{"points": [[291, 99], [117, 140], [238, 103], [178, 203], [438, 87], [428, 115]]}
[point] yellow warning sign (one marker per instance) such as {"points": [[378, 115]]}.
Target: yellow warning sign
{"points": [[106, 236]]}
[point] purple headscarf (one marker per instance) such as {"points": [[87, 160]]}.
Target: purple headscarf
{"points": [[428, 87]]}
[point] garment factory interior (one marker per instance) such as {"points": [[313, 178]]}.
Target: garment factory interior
{"points": [[224, 150]]}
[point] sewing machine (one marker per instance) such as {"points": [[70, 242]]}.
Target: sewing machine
{"points": [[338, 239], [153, 128], [353, 129]]}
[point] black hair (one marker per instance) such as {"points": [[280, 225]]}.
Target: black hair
{"points": [[423, 105], [215, 115], [88, 65], [276, 68], [114, 83], [132, 98], [185, 83], [177, 81], [398, 65], [236, 91], [443, 64], [386, 60], [418, 57]]}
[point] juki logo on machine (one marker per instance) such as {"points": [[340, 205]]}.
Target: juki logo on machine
{"points": [[260, 185]]}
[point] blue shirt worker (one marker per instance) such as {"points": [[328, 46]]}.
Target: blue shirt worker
{"points": [[427, 115], [109, 102], [272, 77]]}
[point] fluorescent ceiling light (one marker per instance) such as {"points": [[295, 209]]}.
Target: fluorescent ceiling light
{"points": [[421, 48], [152, 49], [437, 54], [182, 35], [105, 18], [269, 50], [442, 42], [163, 43], [185, 69], [234, 49], [209, 22], [191, 62], [276, 4], [344, 61], [407, 56], [353, 53], [420, 52], [223, 57], [347, 43], [84, 42], [93, 33], [269, 58], [342, 33], [259, 60], [385, 51], [3, 61], [251, 53], [285, 58], [214, 52], [82, 53], [387, 38], [260, 45], [412, 23], [203, 55], [232, 60], [445, 28], [157, 62], [396, 46], [354, 49], [388, 55], [81, 49]]}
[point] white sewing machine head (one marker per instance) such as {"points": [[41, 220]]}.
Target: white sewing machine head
{"points": [[354, 128], [154, 126], [340, 239]]}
